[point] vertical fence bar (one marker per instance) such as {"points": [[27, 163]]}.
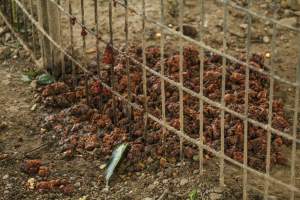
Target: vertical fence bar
{"points": [[162, 71], [111, 73], [17, 17], [97, 48], [24, 24], [127, 63], [224, 63], [62, 56], [295, 123], [181, 116], [270, 113], [246, 107], [72, 22], [83, 34], [32, 28], [144, 69], [10, 11], [201, 134]]}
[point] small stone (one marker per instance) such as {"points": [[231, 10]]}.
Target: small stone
{"points": [[33, 84], [33, 108], [43, 130], [105, 190], [147, 198], [6, 176], [196, 157], [77, 184], [103, 166], [183, 181], [83, 197], [268, 55], [266, 39], [158, 35], [6, 192], [3, 125], [7, 37], [163, 162], [31, 183], [165, 181], [244, 26]]}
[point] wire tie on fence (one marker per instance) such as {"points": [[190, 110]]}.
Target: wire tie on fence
{"points": [[115, 3], [73, 20], [84, 31]]}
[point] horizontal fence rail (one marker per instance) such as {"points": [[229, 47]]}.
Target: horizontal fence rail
{"points": [[164, 29]]}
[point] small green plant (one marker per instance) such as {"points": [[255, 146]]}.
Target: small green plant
{"points": [[193, 195]]}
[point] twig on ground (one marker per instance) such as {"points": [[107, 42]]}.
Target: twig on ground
{"points": [[163, 194]]}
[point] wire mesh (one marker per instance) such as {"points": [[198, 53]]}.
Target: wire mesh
{"points": [[9, 20]]}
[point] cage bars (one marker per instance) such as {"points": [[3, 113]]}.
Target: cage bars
{"points": [[144, 76], [194, 94], [246, 105], [295, 123], [224, 68], [162, 73], [201, 110], [180, 86]]}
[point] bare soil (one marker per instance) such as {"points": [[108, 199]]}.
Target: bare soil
{"points": [[21, 131]]}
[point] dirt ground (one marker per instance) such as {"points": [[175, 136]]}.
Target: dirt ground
{"points": [[21, 117], [20, 134], [21, 138]]}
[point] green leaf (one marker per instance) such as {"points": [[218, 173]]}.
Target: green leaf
{"points": [[32, 73], [45, 79], [116, 157], [26, 78], [193, 195]]}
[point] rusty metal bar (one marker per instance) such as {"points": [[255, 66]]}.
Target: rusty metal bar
{"points": [[201, 115], [162, 72], [224, 66], [97, 47], [144, 70], [71, 24], [83, 34], [62, 56], [33, 28], [270, 114], [181, 60], [111, 71], [295, 124], [245, 145], [129, 111]]}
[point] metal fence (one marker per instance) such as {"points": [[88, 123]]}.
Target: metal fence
{"points": [[17, 13]]}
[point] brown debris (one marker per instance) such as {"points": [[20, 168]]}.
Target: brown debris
{"points": [[54, 185], [31, 166], [108, 128], [34, 167]]}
